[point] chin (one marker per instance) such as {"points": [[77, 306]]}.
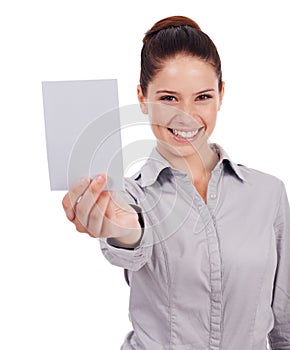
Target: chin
{"points": [[182, 151]]}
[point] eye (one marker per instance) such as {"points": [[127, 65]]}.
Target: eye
{"points": [[168, 98], [203, 97]]}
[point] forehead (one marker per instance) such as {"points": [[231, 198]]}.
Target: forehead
{"points": [[184, 70]]}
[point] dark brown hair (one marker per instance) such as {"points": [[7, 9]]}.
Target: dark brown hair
{"points": [[169, 37]]}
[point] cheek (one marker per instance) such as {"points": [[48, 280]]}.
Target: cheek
{"points": [[158, 132], [209, 113], [160, 115]]}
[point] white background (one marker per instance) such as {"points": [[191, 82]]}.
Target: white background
{"points": [[57, 289]]}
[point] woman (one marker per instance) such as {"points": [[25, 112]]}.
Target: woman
{"points": [[205, 242]]}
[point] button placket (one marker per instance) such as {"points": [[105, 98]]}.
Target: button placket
{"points": [[215, 263], [213, 190]]}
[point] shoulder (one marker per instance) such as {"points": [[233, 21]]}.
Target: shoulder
{"points": [[260, 179], [262, 192]]}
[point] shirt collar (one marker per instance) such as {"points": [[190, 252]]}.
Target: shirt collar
{"points": [[153, 166], [156, 163], [225, 158]]}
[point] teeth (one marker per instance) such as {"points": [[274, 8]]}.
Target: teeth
{"points": [[185, 134]]}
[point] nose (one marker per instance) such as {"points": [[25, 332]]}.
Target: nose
{"points": [[188, 108], [187, 115]]}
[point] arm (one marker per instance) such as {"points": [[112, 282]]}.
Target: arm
{"points": [[109, 215], [279, 337]]}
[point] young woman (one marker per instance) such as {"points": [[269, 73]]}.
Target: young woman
{"points": [[205, 242]]}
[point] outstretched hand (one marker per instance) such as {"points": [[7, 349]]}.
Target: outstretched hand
{"points": [[101, 213]]}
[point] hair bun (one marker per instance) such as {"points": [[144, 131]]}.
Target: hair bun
{"points": [[170, 22]]}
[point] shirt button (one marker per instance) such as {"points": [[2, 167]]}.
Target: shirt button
{"points": [[213, 195]]}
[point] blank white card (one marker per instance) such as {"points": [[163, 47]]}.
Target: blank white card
{"points": [[83, 136]]}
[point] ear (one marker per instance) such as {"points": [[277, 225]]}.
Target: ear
{"points": [[221, 95], [142, 100]]}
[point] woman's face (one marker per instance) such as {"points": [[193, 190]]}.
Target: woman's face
{"points": [[182, 102]]}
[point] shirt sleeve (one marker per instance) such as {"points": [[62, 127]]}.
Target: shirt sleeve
{"points": [[129, 258], [279, 337]]}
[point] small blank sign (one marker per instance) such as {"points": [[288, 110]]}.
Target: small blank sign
{"points": [[83, 136]]}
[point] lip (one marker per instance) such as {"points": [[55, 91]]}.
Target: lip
{"points": [[183, 140]]}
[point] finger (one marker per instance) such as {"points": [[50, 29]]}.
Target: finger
{"points": [[97, 214], [109, 220], [70, 199], [89, 198], [79, 226]]}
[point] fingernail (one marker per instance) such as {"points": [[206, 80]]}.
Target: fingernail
{"points": [[99, 179], [84, 181]]}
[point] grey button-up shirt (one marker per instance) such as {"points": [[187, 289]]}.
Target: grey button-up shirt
{"points": [[207, 276]]}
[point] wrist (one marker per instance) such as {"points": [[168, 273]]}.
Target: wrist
{"points": [[129, 241], [132, 239]]}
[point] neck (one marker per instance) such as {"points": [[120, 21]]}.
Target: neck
{"points": [[198, 166]]}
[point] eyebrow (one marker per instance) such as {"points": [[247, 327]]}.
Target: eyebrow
{"points": [[176, 93]]}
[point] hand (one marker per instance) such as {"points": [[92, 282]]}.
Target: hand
{"points": [[101, 213]]}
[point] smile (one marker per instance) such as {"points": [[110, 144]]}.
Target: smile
{"points": [[185, 134]]}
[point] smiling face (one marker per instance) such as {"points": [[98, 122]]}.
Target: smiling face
{"points": [[182, 102]]}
